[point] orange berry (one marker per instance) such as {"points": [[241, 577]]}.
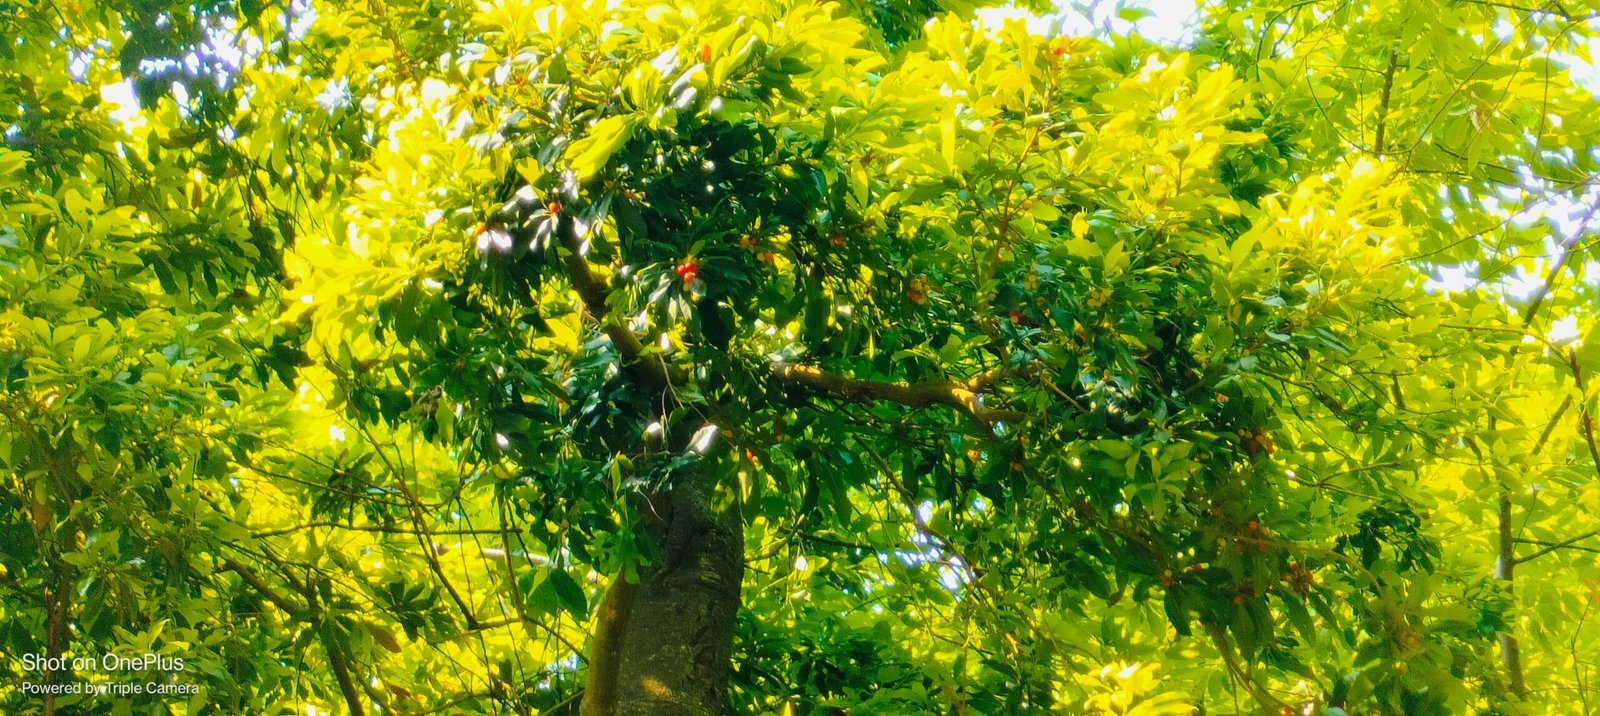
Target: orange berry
{"points": [[688, 270]]}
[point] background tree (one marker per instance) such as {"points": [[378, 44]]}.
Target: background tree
{"points": [[797, 358]]}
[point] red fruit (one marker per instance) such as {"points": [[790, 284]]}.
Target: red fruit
{"points": [[705, 53], [688, 270], [1059, 51], [1016, 317], [554, 207], [768, 257], [1254, 526], [1261, 547], [838, 240]]}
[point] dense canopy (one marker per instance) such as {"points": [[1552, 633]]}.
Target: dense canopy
{"points": [[786, 357]]}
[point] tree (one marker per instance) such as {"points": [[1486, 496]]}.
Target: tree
{"points": [[620, 358]]}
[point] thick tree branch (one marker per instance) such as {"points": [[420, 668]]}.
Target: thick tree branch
{"points": [[340, 666], [293, 610], [964, 397], [380, 529], [593, 292]]}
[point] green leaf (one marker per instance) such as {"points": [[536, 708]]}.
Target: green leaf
{"points": [[1172, 603], [570, 594], [590, 154]]}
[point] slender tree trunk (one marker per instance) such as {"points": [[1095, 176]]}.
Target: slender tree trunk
{"points": [[1505, 565], [661, 645], [58, 608], [57, 593], [1505, 569]]}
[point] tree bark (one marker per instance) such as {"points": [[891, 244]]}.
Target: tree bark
{"points": [[1505, 569], [662, 645]]}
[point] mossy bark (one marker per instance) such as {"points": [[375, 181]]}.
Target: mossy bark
{"points": [[662, 645]]}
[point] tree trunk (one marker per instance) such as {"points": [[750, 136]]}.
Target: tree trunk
{"points": [[1505, 569], [661, 646]]}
